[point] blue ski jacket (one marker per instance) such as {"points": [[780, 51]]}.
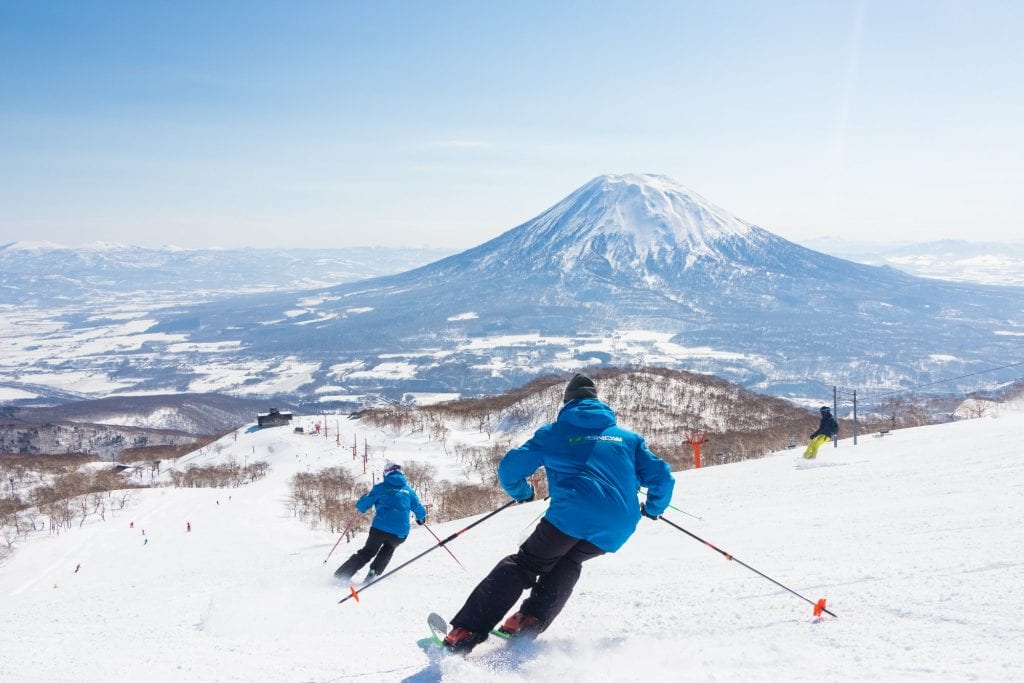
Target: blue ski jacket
{"points": [[394, 500], [594, 469]]}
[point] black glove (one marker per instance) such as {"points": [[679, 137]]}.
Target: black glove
{"points": [[421, 522], [643, 511]]}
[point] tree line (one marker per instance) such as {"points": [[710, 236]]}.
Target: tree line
{"points": [[54, 493]]}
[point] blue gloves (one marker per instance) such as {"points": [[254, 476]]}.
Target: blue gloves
{"points": [[527, 499]]}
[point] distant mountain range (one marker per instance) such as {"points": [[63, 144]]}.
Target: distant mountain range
{"points": [[106, 427], [995, 263], [627, 269], [49, 274]]}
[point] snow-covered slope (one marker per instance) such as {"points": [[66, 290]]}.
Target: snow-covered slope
{"points": [[913, 538]]}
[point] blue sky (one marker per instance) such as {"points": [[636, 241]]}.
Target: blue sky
{"points": [[446, 123]]}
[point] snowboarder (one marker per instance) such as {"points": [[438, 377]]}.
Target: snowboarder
{"points": [[392, 499], [77, 567], [594, 468], [827, 430]]}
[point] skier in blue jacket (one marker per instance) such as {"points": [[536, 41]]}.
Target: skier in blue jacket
{"points": [[393, 500], [594, 469]]}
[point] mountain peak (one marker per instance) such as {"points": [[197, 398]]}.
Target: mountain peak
{"points": [[627, 220], [652, 180], [645, 198]]}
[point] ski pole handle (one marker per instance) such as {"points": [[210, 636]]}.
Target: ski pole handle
{"points": [[675, 508]]}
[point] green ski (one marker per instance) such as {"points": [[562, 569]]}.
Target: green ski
{"points": [[439, 629]]}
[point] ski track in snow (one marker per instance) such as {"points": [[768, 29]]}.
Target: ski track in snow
{"points": [[914, 539]]}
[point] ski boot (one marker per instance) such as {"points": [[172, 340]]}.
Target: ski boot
{"points": [[521, 625], [460, 641]]}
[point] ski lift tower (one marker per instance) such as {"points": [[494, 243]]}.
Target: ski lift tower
{"points": [[696, 438]]}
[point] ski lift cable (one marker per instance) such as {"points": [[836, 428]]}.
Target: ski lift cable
{"points": [[941, 381]]}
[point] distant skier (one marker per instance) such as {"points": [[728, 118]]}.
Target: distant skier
{"points": [[392, 499], [594, 468], [188, 527], [77, 567], [827, 430], [131, 525], [146, 542]]}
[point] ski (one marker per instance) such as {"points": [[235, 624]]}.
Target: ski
{"points": [[439, 629]]}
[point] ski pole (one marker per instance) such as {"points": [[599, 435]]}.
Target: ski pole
{"points": [[353, 593], [446, 547], [819, 606], [347, 527], [542, 513], [675, 508]]}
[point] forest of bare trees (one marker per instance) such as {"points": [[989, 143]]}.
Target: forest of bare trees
{"points": [[229, 474], [326, 498], [660, 404], [53, 493]]}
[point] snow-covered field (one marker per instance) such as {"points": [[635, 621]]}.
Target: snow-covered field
{"points": [[915, 539], [37, 344]]}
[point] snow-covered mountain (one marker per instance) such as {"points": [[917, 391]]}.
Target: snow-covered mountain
{"points": [[106, 427], [994, 263], [909, 537], [631, 269], [54, 275]]}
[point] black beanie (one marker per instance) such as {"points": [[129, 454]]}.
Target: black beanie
{"points": [[580, 386]]}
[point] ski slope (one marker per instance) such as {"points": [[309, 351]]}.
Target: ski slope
{"points": [[915, 539]]}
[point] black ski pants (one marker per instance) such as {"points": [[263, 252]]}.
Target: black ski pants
{"points": [[548, 562], [379, 546]]}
